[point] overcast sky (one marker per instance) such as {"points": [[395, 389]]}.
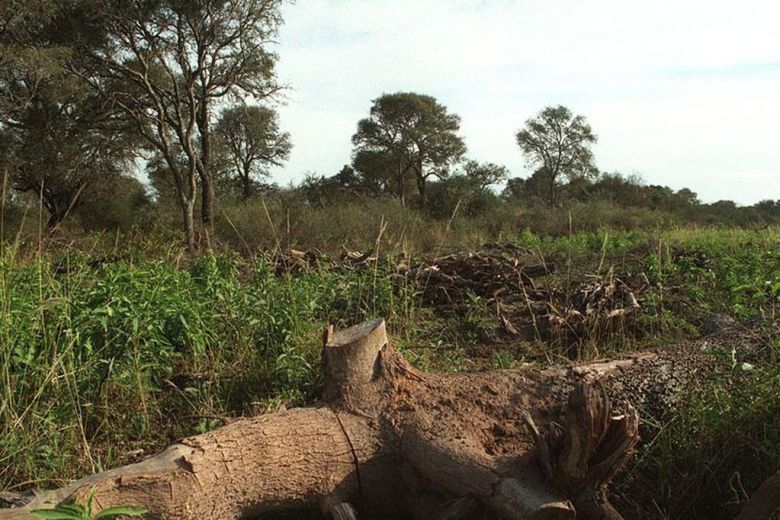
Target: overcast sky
{"points": [[683, 93]]}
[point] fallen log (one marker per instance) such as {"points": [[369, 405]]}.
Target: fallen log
{"points": [[764, 503], [388, 440]]}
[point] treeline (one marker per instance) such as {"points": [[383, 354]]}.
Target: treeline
{"points": [[93, 91]]}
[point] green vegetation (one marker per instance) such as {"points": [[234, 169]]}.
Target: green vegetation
{"points": [[126, 322], [117, 347], [76, 511]]}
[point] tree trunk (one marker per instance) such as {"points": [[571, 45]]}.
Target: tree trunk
{"points": [[388, 440], [207, 199], [401, 184], [188, 220], [55, 219], [421, 185], [421, 181], [246, 180], [551, 195], [205, 170]]}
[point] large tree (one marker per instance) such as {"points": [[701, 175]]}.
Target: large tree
{"points": [[165, 63], [58, 137], [418, 133], [379, 172], [230, 41], [254, 142], [558, 144], [58, 150]]}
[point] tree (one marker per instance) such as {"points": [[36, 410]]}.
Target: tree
{"points": [[485, 174], [59, 138], [351, 181], [558, 143], [379, 172], [533, 189], [58, 151], [229, 42], [165, 62], [254, 142], [417, 132]]}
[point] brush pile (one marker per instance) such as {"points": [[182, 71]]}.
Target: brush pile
{"points": [[294, 261], [599, 305], [455, 278], [514, 281]]}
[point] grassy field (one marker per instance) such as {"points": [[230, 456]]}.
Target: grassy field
{"points": [[113, 346]]}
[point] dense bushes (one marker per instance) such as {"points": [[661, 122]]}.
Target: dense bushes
{"points": [[328, 213]]}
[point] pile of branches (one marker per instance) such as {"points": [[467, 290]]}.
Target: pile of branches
{"points": [[455, 278], [598, 306], [294, 261], [506, 278], [515, 282]]}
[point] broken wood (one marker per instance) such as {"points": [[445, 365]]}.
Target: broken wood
{"points": [[764, 503], [388, 440]]}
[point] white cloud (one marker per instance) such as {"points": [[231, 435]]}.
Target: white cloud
{"points": [[684, 93]]}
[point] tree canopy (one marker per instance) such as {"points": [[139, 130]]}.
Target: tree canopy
{"points": [[558, 143], [165, 62], [254, 142], [485, 174], [59, 138], [416, 132]]}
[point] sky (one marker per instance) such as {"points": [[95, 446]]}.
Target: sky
{"points": [[684, 93]]}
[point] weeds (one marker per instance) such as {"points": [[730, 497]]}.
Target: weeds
{"points": [[76, 511], [111, 350]]}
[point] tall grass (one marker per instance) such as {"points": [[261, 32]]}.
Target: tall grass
{"points": [[104, 355], [114, 345]]}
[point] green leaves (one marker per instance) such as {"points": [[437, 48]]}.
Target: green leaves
{"points": [[558, 143], [113, 512], [58, 513], [415, 132], [76, 511]]}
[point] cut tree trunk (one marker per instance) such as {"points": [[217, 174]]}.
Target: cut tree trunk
{"points": [[390, 441], [764, 503]]}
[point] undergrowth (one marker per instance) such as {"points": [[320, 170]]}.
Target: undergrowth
{"points": [[113, 347]]}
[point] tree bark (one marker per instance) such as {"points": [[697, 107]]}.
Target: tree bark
{"points": [[421, 181], [246, 181], [551, 193], [764, 503], [188, 220], [207, 199], [205, 169], [388, 440]]}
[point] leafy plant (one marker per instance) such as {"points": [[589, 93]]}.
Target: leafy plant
{"points": [[76, 511]]}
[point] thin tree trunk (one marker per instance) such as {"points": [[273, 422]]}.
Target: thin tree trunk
{"points": [[421, 181], [205, 169], [401, 183], [188, 220], [246, 180], [421, 185], [207, 199], [551, 198]]}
